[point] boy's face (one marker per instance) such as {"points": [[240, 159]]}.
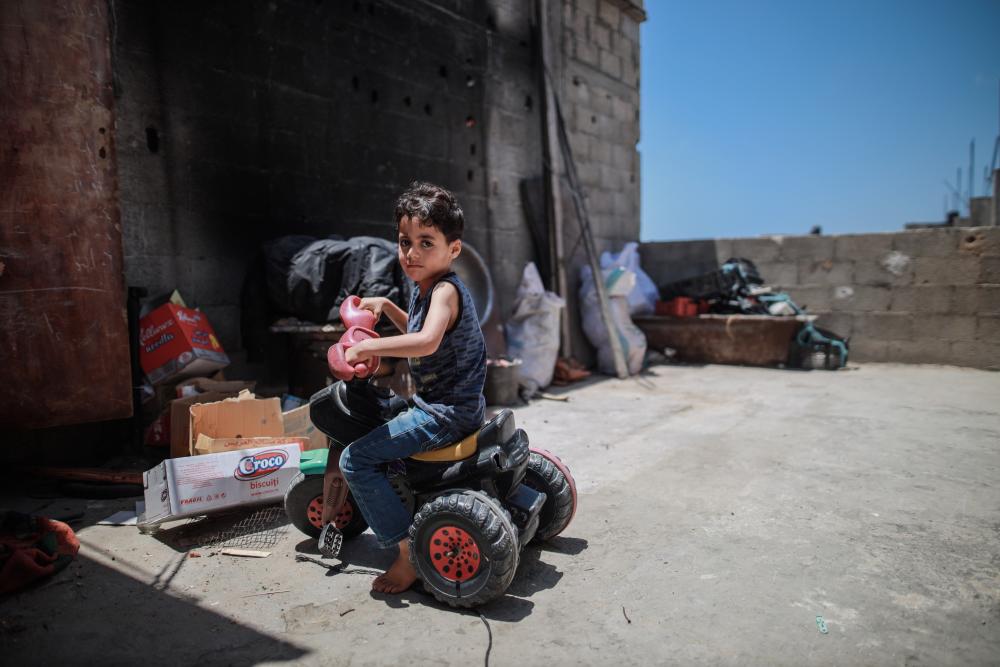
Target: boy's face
{"points": [[424, 252]]}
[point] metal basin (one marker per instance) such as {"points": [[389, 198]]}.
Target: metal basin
{"points": [[471, 268]]}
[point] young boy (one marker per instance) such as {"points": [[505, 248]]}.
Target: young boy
{"points": [[447, 353]]}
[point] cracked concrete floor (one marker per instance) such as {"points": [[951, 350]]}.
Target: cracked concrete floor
{"points": [[722, 510]]}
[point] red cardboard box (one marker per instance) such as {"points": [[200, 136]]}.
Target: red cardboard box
{"points": [[175, 342]]}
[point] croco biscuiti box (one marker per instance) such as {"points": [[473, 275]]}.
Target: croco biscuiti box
{"points": [[196, 485]]}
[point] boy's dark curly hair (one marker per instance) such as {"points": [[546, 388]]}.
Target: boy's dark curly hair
{"points": [[433, 205]]}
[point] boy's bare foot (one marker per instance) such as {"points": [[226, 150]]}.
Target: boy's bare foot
{"points": [[400, 575]]}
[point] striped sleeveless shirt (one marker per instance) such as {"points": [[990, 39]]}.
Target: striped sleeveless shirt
{"points": [[450, 381]]}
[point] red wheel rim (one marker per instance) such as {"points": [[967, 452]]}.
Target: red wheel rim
{"points": [[314, 511], [454, 553]]}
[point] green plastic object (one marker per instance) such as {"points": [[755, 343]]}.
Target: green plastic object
{"points": [[821, 624], [314, 461]]}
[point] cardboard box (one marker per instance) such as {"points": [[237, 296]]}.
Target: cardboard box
{"points": [[297, 422], [235, 423], [206, 445], [211, 391], [176, 342], [198, 485]]}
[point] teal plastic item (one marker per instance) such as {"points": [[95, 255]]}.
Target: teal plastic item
{"points": [[313, 462], [811, 340]]}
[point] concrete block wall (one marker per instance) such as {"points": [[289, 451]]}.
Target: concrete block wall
{"points": [[237, 125], [241, 124], [597, 79], [922, 296]]}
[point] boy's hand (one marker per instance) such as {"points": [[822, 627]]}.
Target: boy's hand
{"points": [[375, 304], [356, 354]]}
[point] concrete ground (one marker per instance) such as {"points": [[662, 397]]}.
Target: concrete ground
{"points": [[722, 511]]}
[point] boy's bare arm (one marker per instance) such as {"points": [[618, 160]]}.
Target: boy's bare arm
{"points": [[381, 305], [441, 313]]}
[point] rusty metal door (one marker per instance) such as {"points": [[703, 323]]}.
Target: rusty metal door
{"points": [[64, 355]]}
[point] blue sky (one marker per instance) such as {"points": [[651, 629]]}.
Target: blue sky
{"points": [[771, 116]]}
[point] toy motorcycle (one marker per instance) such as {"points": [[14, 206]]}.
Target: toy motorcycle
{"points": [[475, 504]]}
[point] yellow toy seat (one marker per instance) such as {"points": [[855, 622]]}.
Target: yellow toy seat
{"points": [[497, 430], [462, 450]]}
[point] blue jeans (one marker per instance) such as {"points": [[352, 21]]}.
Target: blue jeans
{"points": [[362, 464]]}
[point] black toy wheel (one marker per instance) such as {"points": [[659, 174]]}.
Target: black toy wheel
{"points": [[464, 548], [543, 475], [304, 506]]}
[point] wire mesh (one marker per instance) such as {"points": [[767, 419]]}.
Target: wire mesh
{"points": [[257, 528]]}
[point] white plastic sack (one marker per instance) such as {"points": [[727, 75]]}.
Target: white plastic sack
{"points": [[619, 283], [533, 330], [643, 295]]}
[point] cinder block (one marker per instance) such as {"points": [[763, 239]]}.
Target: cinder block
{"points": [[225, 320], [669, 261], [920, 352], [868, 350], [600, 150], [825, 272], [944, 327], [779, 274], [856, 247], [883, 326], [860, 298], [841, 324], [579, 144], [630, 28], [157, 273], [612, 178], [590, 174], [976, 354], [797, 248], [954, 270], [588, 7], [866, 273], [980, 241], [622, 156], [630, 72], [764, 249], [890, 271], [813, 299], [624, 205], [927, 242], [989, 269], [586, 52], [988, 328], [600, 35], [977, 299], [611, 64], [723, 250], [600, 101], [609, 14], [622, 46], [923, 299], [600, 201]]}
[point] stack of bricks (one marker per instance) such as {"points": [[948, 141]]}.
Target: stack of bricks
{"points": [[927, 296]]}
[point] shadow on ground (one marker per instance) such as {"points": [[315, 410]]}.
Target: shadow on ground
{"points": [[92, 614], [363, 557]]}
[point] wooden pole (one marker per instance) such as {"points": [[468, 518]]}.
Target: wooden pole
{"points": [[552, 170], [583, 218]]}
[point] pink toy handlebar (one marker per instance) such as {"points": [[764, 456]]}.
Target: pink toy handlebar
{"points": [[360, 322], [353, 315]]}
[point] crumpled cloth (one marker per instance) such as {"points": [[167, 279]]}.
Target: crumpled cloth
{"points": [[32, 548]]}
